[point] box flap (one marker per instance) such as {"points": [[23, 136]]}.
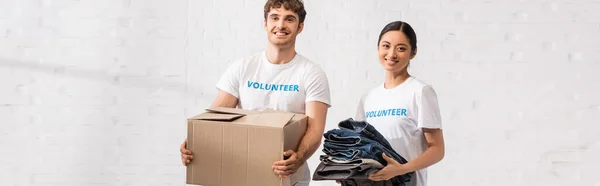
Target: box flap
{"points": [[226, 110], [216, 117], [277, 120]]}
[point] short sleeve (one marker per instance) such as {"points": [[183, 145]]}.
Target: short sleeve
{"points": [[428, 109], [317, 86], [360, 111], [230, 80]]}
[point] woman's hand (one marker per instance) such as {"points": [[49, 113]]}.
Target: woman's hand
{"points": [[392, 169]]}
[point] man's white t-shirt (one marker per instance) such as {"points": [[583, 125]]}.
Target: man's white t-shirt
{"points": [[260, 85], [399, 114]]}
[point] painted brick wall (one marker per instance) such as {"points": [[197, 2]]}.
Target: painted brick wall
{"points": [[97, 92]]}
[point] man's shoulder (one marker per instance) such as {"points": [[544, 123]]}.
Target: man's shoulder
{"points": [[252, 58], [302, 59], [308, 65], [246, 61]]}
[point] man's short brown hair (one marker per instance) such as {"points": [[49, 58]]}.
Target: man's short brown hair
{"points": [[297, 6]]}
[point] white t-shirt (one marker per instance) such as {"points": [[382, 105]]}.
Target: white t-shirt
{"points": [[399, 114], [260, 85]]}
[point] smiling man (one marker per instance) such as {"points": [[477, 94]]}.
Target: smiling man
{"points": [[279, 78]]}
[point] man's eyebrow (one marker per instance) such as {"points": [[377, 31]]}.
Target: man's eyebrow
{"points": [[292, 16]]}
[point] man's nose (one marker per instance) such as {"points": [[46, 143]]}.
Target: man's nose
{"points": [[280, 24]]}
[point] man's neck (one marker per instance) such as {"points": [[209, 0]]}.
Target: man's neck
{"points": [[278, 55]]}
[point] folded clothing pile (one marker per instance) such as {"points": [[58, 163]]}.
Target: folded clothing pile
{"points": [[353, 152]]}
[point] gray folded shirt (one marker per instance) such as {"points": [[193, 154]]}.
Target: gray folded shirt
{"points": [[349, 172]]}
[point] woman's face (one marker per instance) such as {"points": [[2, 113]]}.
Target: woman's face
{"points": [[395, 51]]}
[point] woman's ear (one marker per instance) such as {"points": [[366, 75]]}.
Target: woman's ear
{"points": [[413, 53]]}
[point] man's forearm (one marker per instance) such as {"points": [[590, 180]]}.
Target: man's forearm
{"points": [[224, 99], [317, 114], [309, 143]]}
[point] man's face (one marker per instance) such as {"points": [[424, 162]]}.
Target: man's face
{"points": [[282, 27]]}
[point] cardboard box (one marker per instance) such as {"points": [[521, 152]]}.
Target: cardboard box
{"points": [[235, 147]]}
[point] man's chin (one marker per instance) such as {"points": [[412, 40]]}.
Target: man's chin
{"points": [[281, 43]]}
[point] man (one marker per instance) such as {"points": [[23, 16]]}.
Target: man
{"points": [[281, 79]]}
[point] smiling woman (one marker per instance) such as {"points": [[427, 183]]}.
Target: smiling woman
{"points": [[397, 46], [404, 109]]}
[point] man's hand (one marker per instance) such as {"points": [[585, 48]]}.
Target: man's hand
{"points": [[186, 155], [223, 99], [392, 169], [285, 168]]}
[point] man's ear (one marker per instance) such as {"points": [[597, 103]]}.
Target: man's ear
{"points": [[265, 24], [413, 54], [300, 27]]}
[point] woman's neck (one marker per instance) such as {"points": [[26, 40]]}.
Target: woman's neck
{"points": [[393, 79]]}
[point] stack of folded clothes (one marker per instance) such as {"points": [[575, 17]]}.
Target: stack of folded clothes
{"points": [[353, 152]]}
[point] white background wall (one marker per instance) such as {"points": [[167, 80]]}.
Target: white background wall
{"points": [[97, 92]]}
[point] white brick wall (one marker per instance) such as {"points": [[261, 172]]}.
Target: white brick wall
{"points": [[97, 92]]}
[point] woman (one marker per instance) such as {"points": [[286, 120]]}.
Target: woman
{"points": [[403, 109]]}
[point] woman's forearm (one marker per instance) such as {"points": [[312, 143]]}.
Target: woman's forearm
{"points": [[432, 155]]}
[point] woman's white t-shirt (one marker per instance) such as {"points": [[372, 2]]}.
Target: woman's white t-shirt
{"points": [[399, 114]]}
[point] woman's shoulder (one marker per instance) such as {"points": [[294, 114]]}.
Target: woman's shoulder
{"points": [[373, 90], [419, 85]]}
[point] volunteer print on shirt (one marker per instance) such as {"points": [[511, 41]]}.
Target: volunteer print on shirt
{"points": [[399, 114], [259, 84]]}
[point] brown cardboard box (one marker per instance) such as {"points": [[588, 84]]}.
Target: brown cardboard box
{"points": [[235, 147]]}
